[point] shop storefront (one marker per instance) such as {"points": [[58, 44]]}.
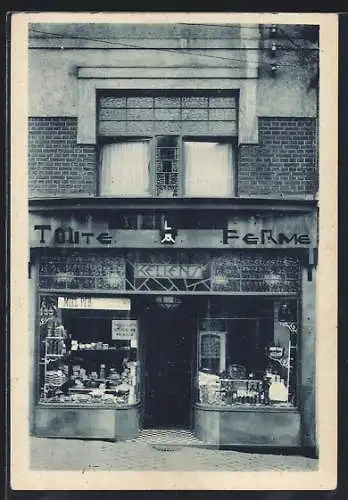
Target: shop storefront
{"points": [[200, 329]]}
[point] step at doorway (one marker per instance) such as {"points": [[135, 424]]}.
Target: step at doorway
{"points": [[163, 438]]}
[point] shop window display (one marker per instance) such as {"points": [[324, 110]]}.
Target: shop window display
{"points": [[248, 357], [87, 356]]}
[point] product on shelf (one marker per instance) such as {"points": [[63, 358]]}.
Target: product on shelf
{"points": [[227, 389], [102, 371], [55, 378], [278, 392], [72, 376]]}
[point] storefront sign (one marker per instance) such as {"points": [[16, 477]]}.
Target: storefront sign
{"points": [[116, 304], [170, 271], [277, 231], [144, 271], [266, 237], [67, 235], [124, 329]]}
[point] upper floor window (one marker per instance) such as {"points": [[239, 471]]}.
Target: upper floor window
{"points": [[167, 146], [208, 169], [125, 169]]}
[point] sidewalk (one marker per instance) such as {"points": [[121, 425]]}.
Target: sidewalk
{"points": [[156, 450]]}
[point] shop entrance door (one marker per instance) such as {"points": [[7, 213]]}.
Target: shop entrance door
{"points": [[169, 359]]}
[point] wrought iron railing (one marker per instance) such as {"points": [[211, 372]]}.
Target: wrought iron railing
{"points": [[167, 171]]}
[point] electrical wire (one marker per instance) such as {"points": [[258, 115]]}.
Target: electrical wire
{"points": [[291, 40], [137, 46], [176, 51]]}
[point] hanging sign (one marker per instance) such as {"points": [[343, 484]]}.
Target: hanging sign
{"points": [[116, 304], [124, 329]]}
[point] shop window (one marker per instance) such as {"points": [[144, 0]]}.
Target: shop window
{"points": [[250, 358], [87, 356]]}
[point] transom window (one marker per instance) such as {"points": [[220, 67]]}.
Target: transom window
{"points": [[167, 146]]}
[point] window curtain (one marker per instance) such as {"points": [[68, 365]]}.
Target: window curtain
{"points": [[125, 169], [208, 169]]}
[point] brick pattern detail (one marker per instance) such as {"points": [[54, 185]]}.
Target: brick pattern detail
{"points": [[58, 166], [283, 163]]}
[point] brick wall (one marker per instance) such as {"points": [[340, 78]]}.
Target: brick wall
{"points": [[58, 166], [283, 163]]}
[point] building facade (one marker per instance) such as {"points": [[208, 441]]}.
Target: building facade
{"points": [[173, 181]]}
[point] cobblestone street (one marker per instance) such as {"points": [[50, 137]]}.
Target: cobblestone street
{"points": [[156, 450]]}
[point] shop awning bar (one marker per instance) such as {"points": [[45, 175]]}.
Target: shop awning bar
{"points": [[102, 204]]}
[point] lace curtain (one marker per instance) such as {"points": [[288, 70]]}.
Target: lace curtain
{"points": [[125, 169], [208, 169]]}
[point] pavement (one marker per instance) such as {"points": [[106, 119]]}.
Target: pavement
{"points": [[161, 450]]}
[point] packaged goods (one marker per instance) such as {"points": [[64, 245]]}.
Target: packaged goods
{"points": [[278, 391]]}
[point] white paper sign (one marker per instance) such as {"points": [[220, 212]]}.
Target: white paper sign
{"points": [[124, 329], [116, 304]]}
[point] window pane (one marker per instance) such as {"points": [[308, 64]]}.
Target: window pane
{"points": [[125, 169], [257, 364], [167, 166], [208, 169], [87, 357]]}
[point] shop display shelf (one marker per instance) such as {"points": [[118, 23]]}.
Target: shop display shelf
{"points": [[247, 407], [61, 337], [84, 390], [56, 355], [110, 349]]}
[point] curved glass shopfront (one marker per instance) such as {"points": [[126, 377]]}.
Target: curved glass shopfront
{"points": [[168, 340], [247, 352]]}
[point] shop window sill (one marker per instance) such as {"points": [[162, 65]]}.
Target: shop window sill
{"points": [[246, 408], [90, 406]]}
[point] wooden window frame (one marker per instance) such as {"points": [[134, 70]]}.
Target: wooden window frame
{"points": [[181, 139]]}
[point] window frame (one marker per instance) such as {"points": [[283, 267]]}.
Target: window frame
{"points": [[231, 141], [105, 140]]}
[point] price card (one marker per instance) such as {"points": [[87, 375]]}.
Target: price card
{"points": [[124, 329]]}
